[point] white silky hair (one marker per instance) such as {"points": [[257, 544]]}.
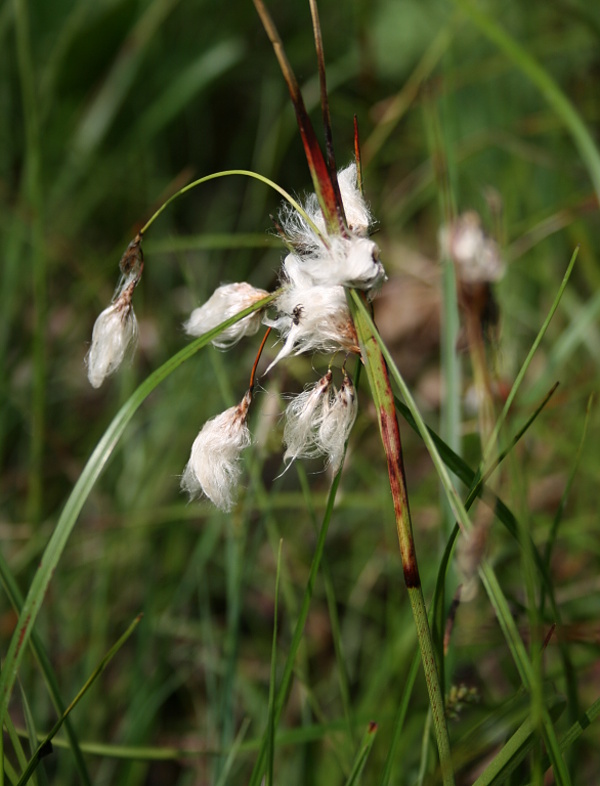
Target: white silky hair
{"points": [[337, 422], [348, 262], [303, 418], [358, 214], [214, 468], [312, 318], [115, 333], [225, 302], [319, 421]]}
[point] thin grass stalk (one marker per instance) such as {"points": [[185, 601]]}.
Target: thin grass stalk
{"points": [[486, 572], [545, 84], [33, 194], [44, 747], [344, 682], [16, 599], [91, 472], [390, 435], [362, 755], [257, 772], [273, 676]]}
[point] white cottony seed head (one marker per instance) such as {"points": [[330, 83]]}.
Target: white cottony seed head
{"points": [[115, 332], [313, 318], [337, 423], [477, 256], [213, 468], [227, 301], [303, 418], [319, 421]]}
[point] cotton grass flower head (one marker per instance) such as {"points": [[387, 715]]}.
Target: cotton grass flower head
{"points": [[476, 255], [115, 331], [227, 301], [312, 319], [114, 335], [337, 422], [303, 418], [319, 421], [214, 468]]}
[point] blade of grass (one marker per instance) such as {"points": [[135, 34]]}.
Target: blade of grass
{"points": [[515, 749], [362, 755], [258, 770], [45, 745], [379, 382], [16, 599], [488, 577], [78, 496], [545, 84], [33, 194], [523, 370], [273, 678]]}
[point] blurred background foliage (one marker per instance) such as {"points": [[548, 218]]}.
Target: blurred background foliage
{"points": [[107, 108]]}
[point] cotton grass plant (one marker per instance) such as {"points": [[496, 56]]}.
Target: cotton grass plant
{"points": [[277, 645]]}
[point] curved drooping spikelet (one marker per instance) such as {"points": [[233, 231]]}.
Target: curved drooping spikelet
{"points": [[115, 333], [337, 423], [225, 302], [303, 418], [213, 468]]}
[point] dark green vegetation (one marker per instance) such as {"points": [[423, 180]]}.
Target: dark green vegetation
{"points": [[107, 109]]}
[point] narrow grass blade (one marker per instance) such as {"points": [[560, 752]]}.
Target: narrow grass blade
{"points": [[488, 577], [273, 678], [16, 599], [383, 398], [545, 84], [91, 473], [515, 749], [44, 747], [258, 771], [523, 370], [363, 754]]}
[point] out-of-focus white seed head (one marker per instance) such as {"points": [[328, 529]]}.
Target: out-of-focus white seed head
{"points": [[337, 423], [213, 468], [477, 256], [303, 418], [227, 301], [115, 333], [313, 318]]}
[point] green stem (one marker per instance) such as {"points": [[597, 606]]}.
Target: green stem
{"points": [[244, 173], [390, 434]]}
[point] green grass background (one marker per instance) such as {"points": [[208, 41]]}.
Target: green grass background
{"points": [[107, 108]]}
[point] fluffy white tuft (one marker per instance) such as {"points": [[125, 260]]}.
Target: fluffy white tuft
{"points": [[303, 418], [313, 318], [348, 262], [337, 423], [213, 468], [115, 333], [477, 256], [319, 421], [227, 301], [358, 215]]}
